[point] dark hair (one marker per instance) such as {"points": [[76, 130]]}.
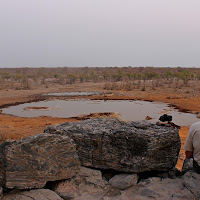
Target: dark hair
{"points": [[165, 118]]}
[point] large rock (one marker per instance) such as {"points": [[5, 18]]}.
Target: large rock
{"points": [[123, 146], [31, 162]]}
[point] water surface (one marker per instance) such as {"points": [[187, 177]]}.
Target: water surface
{"points": [[74, 94], [128, 110]]}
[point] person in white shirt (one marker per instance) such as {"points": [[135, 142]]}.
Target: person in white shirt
{"points": [[192, 146]]}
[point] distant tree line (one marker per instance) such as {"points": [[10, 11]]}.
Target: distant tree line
{"points": [[127, 78]]}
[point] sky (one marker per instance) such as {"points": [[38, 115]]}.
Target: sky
{"points": [[99, 33]]}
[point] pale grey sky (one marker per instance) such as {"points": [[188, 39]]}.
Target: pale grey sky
{"points": [[51, 33]]}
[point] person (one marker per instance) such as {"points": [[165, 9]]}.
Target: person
{"points": [[166, 120], [192, 146]]}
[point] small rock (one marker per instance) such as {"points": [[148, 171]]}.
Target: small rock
{"points": [[40, 194], [123, 181], [148, 181], [148, 118], [87, 183]]}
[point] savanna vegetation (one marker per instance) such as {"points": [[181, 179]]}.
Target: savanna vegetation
{"points": [[114, 78]]}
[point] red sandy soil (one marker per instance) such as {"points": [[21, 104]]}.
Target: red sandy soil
{"points": [[12, 127]]}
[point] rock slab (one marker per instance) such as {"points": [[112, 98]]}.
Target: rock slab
{"points": [[109, 143], [33, 161]]}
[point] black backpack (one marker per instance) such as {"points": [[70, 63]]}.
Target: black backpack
{"points": [[165, 118]]}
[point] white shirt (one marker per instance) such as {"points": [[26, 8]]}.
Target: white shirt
{"points": [[192, 142]]}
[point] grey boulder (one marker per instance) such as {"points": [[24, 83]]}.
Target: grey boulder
{"points": [[108, 143], [33, 161]]}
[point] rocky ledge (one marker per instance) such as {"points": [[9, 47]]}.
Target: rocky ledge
{"points": [[108, 143]]}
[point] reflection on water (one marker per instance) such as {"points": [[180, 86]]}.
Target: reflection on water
{"points": [[129, 110], [74, 94]]}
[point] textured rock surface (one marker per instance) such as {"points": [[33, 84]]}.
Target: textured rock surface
{"points": [[123, 181], [191, 181], [40, 194], [86, 184], [31, 162], [153, 188], [123, 146]]}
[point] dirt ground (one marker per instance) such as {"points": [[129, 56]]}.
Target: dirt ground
{"points": [[12, 127]]}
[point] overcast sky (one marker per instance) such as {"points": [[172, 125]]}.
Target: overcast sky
{"points": [[52, 33]]}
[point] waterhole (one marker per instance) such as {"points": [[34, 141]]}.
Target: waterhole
{"points": [[128, 110]]}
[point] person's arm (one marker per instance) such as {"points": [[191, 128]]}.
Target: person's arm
{"points": [[188, 146], [189, 154]]}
